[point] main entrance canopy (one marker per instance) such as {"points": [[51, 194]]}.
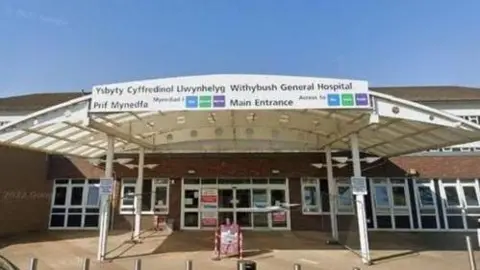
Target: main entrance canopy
{"points": [[237, 113]]}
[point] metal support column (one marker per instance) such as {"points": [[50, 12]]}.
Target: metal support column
{"points": [[105, 202], [332, 192], [360, 202], [138, 194]]}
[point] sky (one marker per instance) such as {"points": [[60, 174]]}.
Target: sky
{"points": [[59, 45]]}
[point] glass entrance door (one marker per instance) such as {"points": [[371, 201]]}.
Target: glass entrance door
{"points": [[235, 205], [260, 199], [391, 203], [278, 219], [206, 203], [461, 203]]}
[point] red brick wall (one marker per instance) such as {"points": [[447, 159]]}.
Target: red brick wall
{"points": [[25, 192], [293, 166], [442, 167]]}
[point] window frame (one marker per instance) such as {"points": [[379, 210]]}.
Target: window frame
{"points": [[318, 196], [154, 183], [343, 209]]}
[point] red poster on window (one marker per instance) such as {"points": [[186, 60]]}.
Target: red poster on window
{"points": [[209, 196], [209, 219], [279, 217]]}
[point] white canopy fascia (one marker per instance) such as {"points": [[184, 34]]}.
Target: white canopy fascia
{"points": [[393, 127]]}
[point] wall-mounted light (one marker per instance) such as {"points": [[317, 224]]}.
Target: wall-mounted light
{"points": [[321, 165], [98, 161], [191, 171], [133, 166], [317, 165], [346, 159], [275, 171], [340, 159], [412, 172], [340, 165], [371, 159]]}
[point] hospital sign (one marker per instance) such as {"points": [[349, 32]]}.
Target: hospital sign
{"points": [[231, 92]]}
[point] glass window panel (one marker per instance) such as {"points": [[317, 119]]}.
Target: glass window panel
{"points": [[225, 217], [381, 196], [260, 220], [449, 181], [161, 181], [468, 181], [78, 182], [161, 199], [93, 197], [190, 219], [191, 181], [380, 180], [244, 198], [209, 219], [470, 196], [93, 181], [191, 198], [278, 181], [343, 181], [147, 195], [277, 196], [422, 181], [225, 198], [209, 181], [128, 195], [57, 221], [74, 220], [61, 181], [258, 181], [77, 196], [399, 197], [310, 199], [452, 196], [312, 181], [244, 219], [397, 181], [425, 196], [260, 198], [91, 221], [60, 196], [344, 196]]}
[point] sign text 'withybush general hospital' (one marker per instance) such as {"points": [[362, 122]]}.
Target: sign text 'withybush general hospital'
{"points": [[230, 92]]}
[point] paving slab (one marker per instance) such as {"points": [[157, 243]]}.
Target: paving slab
{"points": [[271, 251]]}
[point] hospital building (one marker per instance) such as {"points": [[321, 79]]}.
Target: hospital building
{"points": [[203, 161]]}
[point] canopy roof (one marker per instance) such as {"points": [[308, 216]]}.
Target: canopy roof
{"points": [[391, 127]]}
